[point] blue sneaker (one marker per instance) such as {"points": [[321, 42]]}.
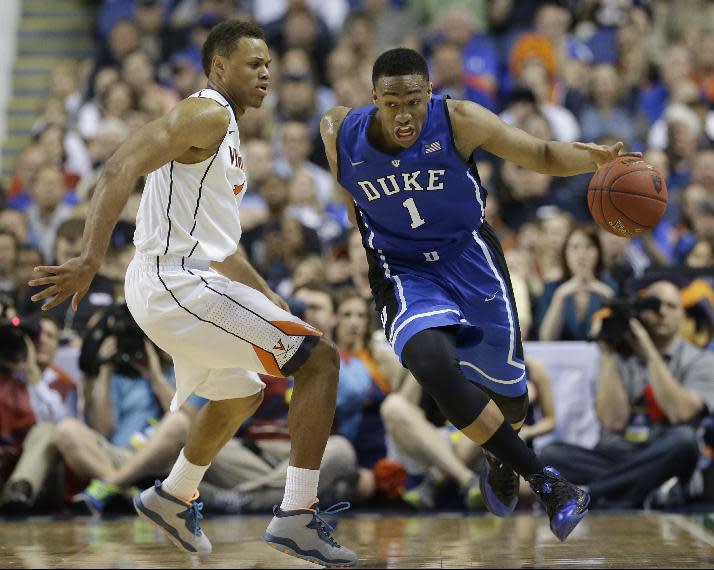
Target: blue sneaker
{"points": [[565, 503], [304, 534], [176, 518], [499, 485]]}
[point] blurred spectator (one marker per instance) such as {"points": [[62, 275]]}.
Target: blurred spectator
{"points": [[367, 374], [150, 17], [698, 303], [333, 14], [186, 76], [567, 305], [64, 85], [66, 150], [391, 23], [102, 291], [649, 405], [139, 72], [276, 246], [604, 116], [123, 39], [34, 395], [28, 163], [90, 113], [301, 28], [296, 148], [8, 263], [15, 222], [47, 211], [27, 259], [121, 402], [358, 37]]}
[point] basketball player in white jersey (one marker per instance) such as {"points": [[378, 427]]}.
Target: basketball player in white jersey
{"points": [[203, 303]]}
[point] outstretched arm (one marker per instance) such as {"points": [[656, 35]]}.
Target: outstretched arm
{"points": [[193, 123], [329, 129], [477, 127]]}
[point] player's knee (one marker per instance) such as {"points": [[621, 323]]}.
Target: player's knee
{"points": [[430, 368], [514, 410], [326, 357]]}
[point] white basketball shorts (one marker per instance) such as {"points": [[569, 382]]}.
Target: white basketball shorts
{"points": [[220, 333]]}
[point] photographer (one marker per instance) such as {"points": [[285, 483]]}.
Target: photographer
{"points": [[649, 404], [128, 390], [34, 395]]}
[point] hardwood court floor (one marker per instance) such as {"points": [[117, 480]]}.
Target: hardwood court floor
{"points": [[439, 541]]}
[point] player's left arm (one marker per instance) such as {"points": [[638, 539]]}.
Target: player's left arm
{"points": [[237, 268], [476, 127]]}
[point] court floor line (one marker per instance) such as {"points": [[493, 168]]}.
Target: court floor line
{"points": [[693, 528]]}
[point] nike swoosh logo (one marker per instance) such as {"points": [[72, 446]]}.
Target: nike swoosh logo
{"points": [[357, 163], [491, 299]]}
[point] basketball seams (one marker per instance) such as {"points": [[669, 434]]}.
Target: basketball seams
{"points": [[640, 194], [638, 224]]}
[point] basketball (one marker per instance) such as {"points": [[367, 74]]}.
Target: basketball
{"points": [[627, 196]]}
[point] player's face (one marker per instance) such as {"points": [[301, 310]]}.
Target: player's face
{"points": [[245, 72], [401, 101]]}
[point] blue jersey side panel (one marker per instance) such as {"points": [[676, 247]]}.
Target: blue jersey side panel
{"points": [[421, 200]]}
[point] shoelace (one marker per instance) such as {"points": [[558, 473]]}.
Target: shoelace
{"points": [[324, 529], [196, 509]]}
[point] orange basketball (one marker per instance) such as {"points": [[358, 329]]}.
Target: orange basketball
{"points": [[627, 196]]}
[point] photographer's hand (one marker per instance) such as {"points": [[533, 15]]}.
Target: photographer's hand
{"points": [[71, 278], [108, 349], [642, 342]]}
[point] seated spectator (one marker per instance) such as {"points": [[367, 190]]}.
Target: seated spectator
{"points": [[186, 76], [34, 396], [368, 373], [138, 70], [15, 222], [441, 451], [124, 398], [90, 113], [567, 305], [649, 405]]}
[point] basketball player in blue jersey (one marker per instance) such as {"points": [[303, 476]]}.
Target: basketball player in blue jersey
{"points": [[196, 297], [437, 270]]}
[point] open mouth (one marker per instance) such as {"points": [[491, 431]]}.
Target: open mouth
{"points": [[263, 90], [404, 133]]}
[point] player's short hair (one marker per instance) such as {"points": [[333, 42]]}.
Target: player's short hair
{"points": [[223, 39], [399, 61]]}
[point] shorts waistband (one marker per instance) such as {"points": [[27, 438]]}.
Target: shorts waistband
{"points": [[172, 262]]}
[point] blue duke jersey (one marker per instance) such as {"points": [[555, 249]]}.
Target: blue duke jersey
{"points": [[433, 260], [423, 201]]}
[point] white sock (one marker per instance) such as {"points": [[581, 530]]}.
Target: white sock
{"points": [[184, 478], [300, 488]]}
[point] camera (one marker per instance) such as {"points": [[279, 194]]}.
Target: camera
{"points": [[116, 321], [616, 327], [13, 349]]}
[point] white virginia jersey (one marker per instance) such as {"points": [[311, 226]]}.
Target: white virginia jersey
{"points": [[191, 210]]}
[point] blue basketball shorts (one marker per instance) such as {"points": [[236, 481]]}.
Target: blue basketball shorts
{"points": [[471, 291]]}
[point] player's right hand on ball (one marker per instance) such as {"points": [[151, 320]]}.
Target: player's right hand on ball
{"points": [[72, 277]]}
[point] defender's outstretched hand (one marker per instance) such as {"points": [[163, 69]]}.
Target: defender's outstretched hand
{"points": [[602, 154], [72, 277]]}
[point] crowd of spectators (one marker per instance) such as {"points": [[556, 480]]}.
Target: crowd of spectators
{"points": [[83, 417]]}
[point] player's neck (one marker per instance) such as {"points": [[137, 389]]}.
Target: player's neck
{"points": [[216, 85]]}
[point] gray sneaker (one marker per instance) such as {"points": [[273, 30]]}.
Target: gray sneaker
{"points": [[176, 518], [304, 534]]}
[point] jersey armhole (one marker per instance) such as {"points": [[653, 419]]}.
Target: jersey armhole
{"points": [[471, 162], [337, 144]]}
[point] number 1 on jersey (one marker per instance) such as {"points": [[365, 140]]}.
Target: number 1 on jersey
{"points": [[417, 220]]}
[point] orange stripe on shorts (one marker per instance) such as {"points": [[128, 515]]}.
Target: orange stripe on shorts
{"points": [[268, 361], [296, 329]]}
